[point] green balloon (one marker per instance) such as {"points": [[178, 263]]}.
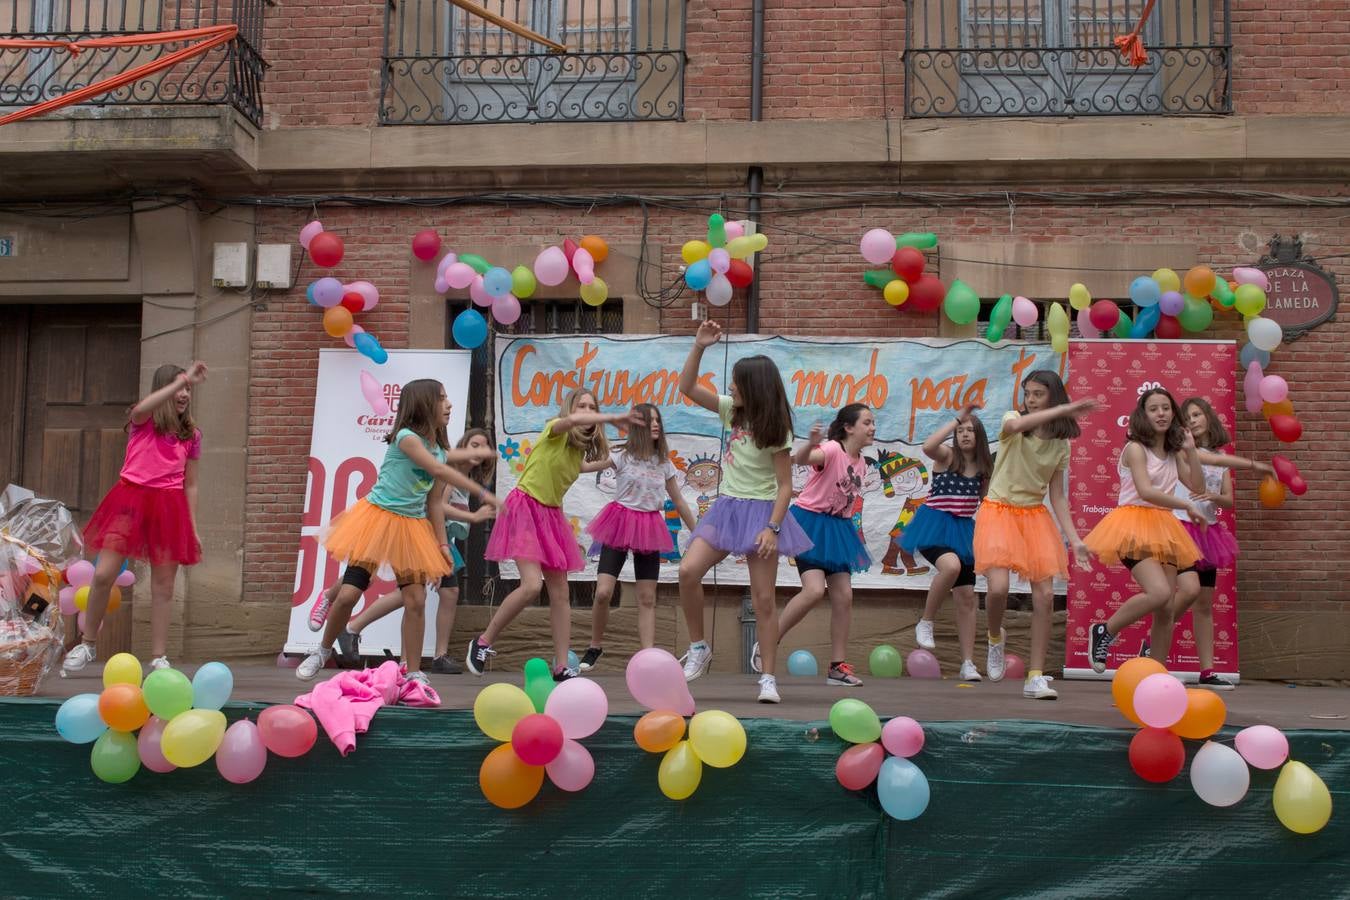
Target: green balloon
{"points": [[115, 758], [475, 262], [1123, 326], [538, 682], [855, 722], [1224, 294], [961, 305], [167, 693], [879, 278], [999, 317], [919, 240], [523, 283], [885, 662], [717, 230], [1196, 315]]}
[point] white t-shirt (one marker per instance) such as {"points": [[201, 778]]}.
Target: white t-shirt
{"points": [[1213, 484], [640, 484]]}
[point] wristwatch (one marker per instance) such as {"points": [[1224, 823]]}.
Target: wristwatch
{"points": [[776, 529]]}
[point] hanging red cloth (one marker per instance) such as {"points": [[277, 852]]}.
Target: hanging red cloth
{"points": [[1131, 46]]}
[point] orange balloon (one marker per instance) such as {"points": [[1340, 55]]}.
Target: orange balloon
{"points": [[1205, 712], [114, 598], [1271, 492], [1283, 408], [596, 247], [506, 781], [1127, 678], [1199, 281], [38, 577], [659, 730], [337, 321], [123, 707]]}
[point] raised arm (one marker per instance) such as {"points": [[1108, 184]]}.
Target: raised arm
{"points": [[1229, 461], [709, 333], [195, 374], [810, 454], [935, 447], [582, 418], [1031, 421], [415, 450]]}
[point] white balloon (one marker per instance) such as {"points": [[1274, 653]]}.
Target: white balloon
{"points": [[1265, 333], [1219, 774], [719, 290]]}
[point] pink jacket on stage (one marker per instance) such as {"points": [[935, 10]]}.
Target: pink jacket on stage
{"points": [[345, 703]]}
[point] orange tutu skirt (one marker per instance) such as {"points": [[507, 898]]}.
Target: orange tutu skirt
{"points": [[1021, 538], [1142, 532], [366, 535]]}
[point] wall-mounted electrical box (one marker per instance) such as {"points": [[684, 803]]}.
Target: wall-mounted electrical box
{"points": [[229, 267], [274, 266]]}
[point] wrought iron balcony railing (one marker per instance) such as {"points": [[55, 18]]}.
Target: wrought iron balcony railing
{"points": [[1058, 58], [624, 62], [230, 73]]}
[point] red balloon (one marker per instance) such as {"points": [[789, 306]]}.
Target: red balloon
{"points": [[1285, 470], [1297, 486], [569, 248], [926, 294], [1286, 428], [353, 301], [1168, 329], [1157, 755], [425, 244], [326, 249], [740, 274], [537, 739], [1104, 314], [858, 766], [908, 263]]}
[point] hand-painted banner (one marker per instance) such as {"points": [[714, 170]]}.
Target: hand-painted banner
{"points": [[1116, 373], [914, 387]]}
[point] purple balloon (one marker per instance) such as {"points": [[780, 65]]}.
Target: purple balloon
{"points": [[328, 292], [242, 756], [1171, 304], [922, 664]]}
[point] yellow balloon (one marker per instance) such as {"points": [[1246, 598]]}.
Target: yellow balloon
{"points": [[191, 737], [82, 598], [896, 292], [123, 668], [595, 293], [1302, 801], [1167, 280], [693, 251], [717, 737], [1059, 343], [1079, 298], [1057, 321], [680, 772], [498, 707], [746, 245]]}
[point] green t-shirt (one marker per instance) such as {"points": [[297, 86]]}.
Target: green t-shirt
{"points": [[551, 468], [747, 471], [402, 487]]}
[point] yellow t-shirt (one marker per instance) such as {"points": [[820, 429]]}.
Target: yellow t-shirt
{"points": [[551, 468], [1025, 464], [747, 470]]}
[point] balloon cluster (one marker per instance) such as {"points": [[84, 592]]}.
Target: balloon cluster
{"points": [[1171, 304], [540, 728], [717, 266], [179, 722], [79, 576], [1168, 711], [881, 755], [340, 301], [717, 738], [905, 283]]}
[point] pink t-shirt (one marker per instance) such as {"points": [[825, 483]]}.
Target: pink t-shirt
{"points": [[158, 460], [834, 484]]}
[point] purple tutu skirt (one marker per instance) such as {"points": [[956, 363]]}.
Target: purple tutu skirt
{"points": [[732, 524], [1218, 548], [527, 529], [621, 528]]}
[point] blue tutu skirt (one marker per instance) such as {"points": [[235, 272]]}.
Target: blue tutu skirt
{"points": [[732, 524], [837, 547], [938, 528]]}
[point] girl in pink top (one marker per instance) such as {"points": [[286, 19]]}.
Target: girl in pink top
{"points": [[151, 513]]}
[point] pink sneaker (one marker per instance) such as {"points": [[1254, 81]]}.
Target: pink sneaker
{"points": [[319, 613]]}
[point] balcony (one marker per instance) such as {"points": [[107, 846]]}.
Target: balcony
{"points": [[623, 62], [988, 58]]}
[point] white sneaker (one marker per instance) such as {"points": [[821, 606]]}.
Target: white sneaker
{"points": [[969, 672], [160, 662], [768, 689], [995, 664], [756, 664], [311, 665], [80, 655], [923, 634], [1039, 688], [697, 661]]}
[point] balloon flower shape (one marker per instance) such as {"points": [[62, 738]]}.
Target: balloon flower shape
{"points": [[903, 282], [340, 301], [537, 743], [721, 263], [881, 755], [712, 737]]}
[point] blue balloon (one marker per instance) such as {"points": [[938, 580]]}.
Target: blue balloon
{"points": [[369, 346], [572, 660], [211, 686], [497, 282], [309, 293], [1146, 321], [78, 721], [470, 329], [698, 275], [1254, 354], [902, 789], [1144, 291], [802, 664]]}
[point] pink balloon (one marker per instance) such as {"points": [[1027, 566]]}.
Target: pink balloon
{"points": [[1251, 387], [328, 292], [366, 290], [309, 232], [66, 599], [125, 578], [1085, 327], [287, 730], [537, 739], [579, 706], [720, 260], [1262, 746], [857, 767], [1273, 389], [734, 230], [506, 309], [241, 756], [459, 275], [350, 337], [1160, 700], [877, 246], [147, 745], [1248, 275], [80, 573], [373, 391], [1013, 667], [584, 265], [922, 664], [478, 293], [1024, 312], [902, 736], [656, 680], [573, 768], [550, 266]]}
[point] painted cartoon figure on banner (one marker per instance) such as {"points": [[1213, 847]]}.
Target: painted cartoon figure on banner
{"points": [[871, 483], [703, 474], [902, 476]]}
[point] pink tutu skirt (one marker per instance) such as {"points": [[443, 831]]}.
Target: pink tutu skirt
{"points": [[1218, 547], [151, 524], [527, 529], [621, 528]]}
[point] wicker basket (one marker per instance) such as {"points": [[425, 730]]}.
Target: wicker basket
{"points": [[29, 647]]}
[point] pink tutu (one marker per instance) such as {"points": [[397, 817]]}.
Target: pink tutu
{"points": [[527, 529], [621, 528], [1218, 547], [151, 524]]}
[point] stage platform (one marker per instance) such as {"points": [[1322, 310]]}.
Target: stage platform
{"points": [[1029, 799]]}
